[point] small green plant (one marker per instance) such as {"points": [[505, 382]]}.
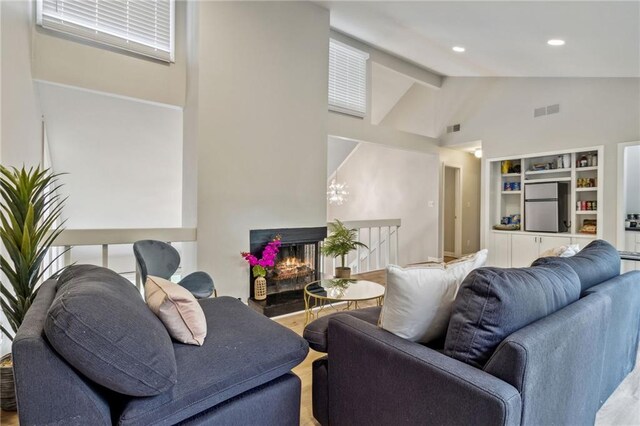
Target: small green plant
{"points": [[29, 211], [341, 241]]}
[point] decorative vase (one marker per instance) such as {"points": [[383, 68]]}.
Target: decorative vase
{"points": [[7, 386], [343, 272], [260, 288]]}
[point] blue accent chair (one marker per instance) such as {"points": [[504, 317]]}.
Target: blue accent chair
{"points": [[160, 259]]}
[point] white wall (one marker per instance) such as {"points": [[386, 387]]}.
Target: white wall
{"points": [[21, 133], [66, 60], [20, 124], [337, 151], [123, 163], [390, 183], [632, 179], [499, 111], [416, 111], [262, 127]]}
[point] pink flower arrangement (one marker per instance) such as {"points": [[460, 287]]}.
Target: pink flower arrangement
{"points": [[268, 260]]}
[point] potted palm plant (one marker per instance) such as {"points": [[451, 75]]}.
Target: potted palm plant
{"points": [[29, 211], [339, 243]]}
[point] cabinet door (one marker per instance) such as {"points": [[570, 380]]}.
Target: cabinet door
{"points": [[547, 243], [499, 250], [582, 241], [524, 250]]}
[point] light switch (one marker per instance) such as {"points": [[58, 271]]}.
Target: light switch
{"points": [[431, 203]]}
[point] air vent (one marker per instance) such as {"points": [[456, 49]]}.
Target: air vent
{"points": [[553, 109], [454, 128], [548, 110], [539, 112]]}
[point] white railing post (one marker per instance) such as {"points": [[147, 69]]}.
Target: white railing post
{"points": [[67, 255], [379, 245], [388, 245], [369, 252], [358, 253], [381, 261], [105, 255], [138, 278], [397, 246]]}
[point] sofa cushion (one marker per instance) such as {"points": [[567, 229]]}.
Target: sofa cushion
{"points": [[243, 350], [316, 331], [418, 300], [100, 325], [493, 303], [598, 262]]}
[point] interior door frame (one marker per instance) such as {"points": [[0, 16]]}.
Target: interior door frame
{"points": [[457, 241], [620, 236]]}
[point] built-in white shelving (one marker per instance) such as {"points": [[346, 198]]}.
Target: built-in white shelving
{"points": [[544, 172], [505, 195], [556, 179]]}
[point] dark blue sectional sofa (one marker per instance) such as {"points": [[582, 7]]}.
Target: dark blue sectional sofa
{"points": [[560, 359], [241, 375]]}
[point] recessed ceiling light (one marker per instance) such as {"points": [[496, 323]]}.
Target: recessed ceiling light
{"points": [[458, 49], [478, 153], [555, 42]]}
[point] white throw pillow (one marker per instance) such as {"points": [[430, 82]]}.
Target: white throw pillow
{"points": [[178, 310], [562, 251], [418, 300]]}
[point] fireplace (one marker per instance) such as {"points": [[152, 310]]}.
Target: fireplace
{"points": [[298, 263]]}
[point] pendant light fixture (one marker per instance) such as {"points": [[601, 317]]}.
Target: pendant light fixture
{"points": [[337, 193]]}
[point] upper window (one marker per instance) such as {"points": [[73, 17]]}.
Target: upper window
{"points": [[347, 79], [140, 26]]}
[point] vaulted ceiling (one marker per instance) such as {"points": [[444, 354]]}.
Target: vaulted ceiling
{"points": [[501, 38]]}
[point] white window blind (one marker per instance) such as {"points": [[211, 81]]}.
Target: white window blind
{"points": [[141, 26], [347, 79]]}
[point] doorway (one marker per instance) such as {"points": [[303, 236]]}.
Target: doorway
{"points": [[628, 209], [452, 226]]}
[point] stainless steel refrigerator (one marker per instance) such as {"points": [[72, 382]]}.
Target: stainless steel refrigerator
{"points": [[546, 207]]}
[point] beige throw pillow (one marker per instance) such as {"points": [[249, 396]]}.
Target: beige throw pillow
{"points": [[178, 310], [418, 300]]}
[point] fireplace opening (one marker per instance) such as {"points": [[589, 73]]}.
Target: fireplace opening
{"points": [[298, 263]]}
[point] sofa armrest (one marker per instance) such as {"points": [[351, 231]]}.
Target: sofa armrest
{"points": [[376, 377], [49, 391]]}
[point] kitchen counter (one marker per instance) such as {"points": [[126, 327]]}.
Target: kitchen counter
{"points": [[632, 229], [630, 255]]}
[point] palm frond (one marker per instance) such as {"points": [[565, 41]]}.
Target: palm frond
{"points": [[29, 211]]}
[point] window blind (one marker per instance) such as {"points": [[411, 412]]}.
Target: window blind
{"points": [[347, 79], [141, 26]]}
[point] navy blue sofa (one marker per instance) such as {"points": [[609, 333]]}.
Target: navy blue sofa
{"points": [[240, 375], [558, 369]]}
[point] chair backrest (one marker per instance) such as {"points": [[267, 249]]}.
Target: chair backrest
{"points": [[156, 258]]}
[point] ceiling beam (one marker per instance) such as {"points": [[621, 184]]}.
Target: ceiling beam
{"points": [[419, 74]]}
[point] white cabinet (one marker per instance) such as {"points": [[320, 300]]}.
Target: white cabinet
{"points": [[499, 250], [527, 248], [582, 241], [547, 243], [524, 250]]}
